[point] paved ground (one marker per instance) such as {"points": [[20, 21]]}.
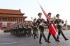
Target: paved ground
{"points": [[6, 39]]}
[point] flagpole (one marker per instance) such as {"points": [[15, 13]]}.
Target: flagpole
{"points": [[51, 29]]}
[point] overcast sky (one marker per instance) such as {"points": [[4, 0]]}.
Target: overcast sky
{"points": [[31, 7]]}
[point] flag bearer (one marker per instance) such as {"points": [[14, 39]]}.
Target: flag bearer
{"points": [[51, 29]]}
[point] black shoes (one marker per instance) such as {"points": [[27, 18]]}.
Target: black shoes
{"points": [[40, 42], [57, 40], [47, 41], [66, 39], [35, 38]]}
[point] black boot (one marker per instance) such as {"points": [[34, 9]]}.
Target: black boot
{"points": [[47, 41], [66, 39], [40, 42], [57, 40]]}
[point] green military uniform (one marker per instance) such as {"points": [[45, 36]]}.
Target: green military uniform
{"points": [[11, 31], [59, 27], [41, 28], [35, 30], [51, 21], [29, 30]]}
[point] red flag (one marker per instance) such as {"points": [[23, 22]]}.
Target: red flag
{"points": [[51, 27]]}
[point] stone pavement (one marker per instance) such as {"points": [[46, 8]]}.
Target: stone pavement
{"points": [[6, 39]]}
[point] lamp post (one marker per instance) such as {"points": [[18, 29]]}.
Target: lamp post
{"points": [[66, 25]]}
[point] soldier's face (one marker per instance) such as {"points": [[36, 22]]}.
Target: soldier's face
{"points": [[57, 16], [34, 20], [40, 15], [49, 15], [43, 20]]}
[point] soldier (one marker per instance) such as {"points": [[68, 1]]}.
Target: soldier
{"points": [[27, 29], [14, 30], [41, 28], [51, 21], [20, 30], [23, 30], [35, 30], [59, 23], [11, 30]]}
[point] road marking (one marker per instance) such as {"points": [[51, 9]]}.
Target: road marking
{"points": [[8, 43]]}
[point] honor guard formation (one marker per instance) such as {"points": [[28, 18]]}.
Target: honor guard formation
{"points": [[39, 25], [21, 30]]}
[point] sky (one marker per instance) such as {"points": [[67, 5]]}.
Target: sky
{"points": [[31, 7]]}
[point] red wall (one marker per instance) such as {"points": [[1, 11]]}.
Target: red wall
{"points": [[0, 25], [8, 25]]}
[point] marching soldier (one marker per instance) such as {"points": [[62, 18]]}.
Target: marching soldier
{"points": [[35, 30], [11, 30], [51, 21], [25, 29], [16, 31], [19, 30], [14, 28], [29, 30], [59, 23], [22, 30], [40, 21]]}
